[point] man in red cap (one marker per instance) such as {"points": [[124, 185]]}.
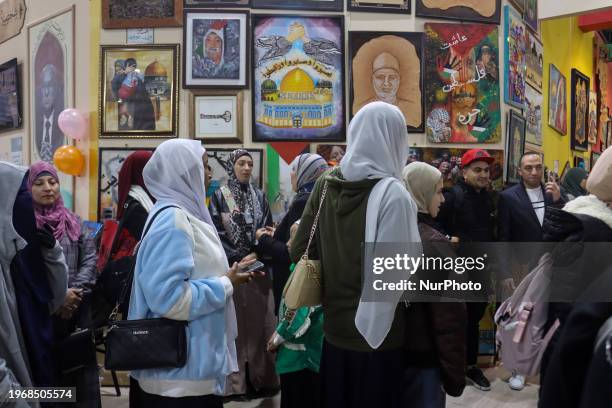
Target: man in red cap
{"points": [[469, 214]]}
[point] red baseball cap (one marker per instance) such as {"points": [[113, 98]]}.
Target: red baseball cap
{"points": [[476, 155]]}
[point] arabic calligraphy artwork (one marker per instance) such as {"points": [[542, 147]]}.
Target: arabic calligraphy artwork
{"points": [[515, 145], [581, 85], [377, 6], [462, 83], [142, 13], [51, 79], [216, 116], [592, 117], [139, 95], [533, 113], [478, 11], [534, 61], [298, 78], [216, 49], [12, 17], [515, 58], [531, 14], [557, 100], [448, 161], [110, 161], [388, 67]]}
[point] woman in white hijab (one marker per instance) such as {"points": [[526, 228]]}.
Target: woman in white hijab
{"points": [[182, 274], [365, 201]]}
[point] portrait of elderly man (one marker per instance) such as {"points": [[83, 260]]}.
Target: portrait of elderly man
{"points": [[49, 104], [216, 54], [387, 68]]}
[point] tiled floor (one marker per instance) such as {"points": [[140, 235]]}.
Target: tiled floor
{"points": [[500, 396]]}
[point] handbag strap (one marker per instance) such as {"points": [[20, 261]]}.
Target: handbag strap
{"points": [[113, 316], [315, 222]]}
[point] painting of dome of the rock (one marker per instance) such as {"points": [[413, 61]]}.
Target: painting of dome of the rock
{"points": [[298, 79]]}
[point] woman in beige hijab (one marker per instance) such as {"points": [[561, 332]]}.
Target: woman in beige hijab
{"points": [[437, 341]]}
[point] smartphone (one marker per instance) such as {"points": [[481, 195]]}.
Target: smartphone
{"points": [[257, 265]]}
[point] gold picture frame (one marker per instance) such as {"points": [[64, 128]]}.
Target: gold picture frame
{"points": [[216, 116], [139, 91]]}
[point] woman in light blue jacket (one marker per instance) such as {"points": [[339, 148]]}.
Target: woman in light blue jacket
{"points": [[182, 274]]}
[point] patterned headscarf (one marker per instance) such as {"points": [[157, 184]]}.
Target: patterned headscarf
{"points": [[61, 220], [308, 168], [241, 225]]}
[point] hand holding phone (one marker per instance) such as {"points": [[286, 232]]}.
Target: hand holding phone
{"points": [[254, 266]]}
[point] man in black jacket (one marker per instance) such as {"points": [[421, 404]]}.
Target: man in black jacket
{"points": [[469, 214]]}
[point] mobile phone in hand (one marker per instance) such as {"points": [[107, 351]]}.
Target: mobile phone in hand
{"points": [[255, 266]]}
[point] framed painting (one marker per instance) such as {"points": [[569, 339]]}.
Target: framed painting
{"points": [[216, 49], [139, 95], [217, 3], [533, 114], [332, 154], [594, 158], [462, 83], [534, 62], [581, 84], [10, 96], [218, 160], [514, 58], [388, 67], [557, 100], [592, 125], [216, 116], [601, 84], [531, 14], [519, 5], [376, 6], [110, 160], [515, 145], [478, 11], [448, 161], [298, 78], [579, 162], [315, 5], [142, 13], [51, 79], [139, 36]]}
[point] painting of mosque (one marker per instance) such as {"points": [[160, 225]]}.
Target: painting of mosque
{"points": [[298, 78]]}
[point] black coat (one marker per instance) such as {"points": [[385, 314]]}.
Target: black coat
{"points": [[274, 249]]}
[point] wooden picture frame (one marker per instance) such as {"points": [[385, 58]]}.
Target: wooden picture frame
{"points": [[224, 123], [461, 11], [124, 109], [404, 6], [51, 55], [226, 70], [173, 18], [580, 90]]}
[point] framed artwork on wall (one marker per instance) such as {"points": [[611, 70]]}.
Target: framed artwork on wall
{"points": [[218, 160], [514, 58], [374, 6], [51, 79], [139, 91], [10, 96], [531, 14], [519, 5], [388, 67], [217, 3], [515, 145], [462, 83], [581, 85], [557, 100], [216, 49], [533, 114], [478, 11], [534, 62], [216, 116], [142, 13], [579, 162], [331, 153], [592, 118], [110, 160], [315, 5], [298, 78]]}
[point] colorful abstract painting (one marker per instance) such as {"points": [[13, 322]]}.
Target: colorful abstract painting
{"points": [[515, 64], [461, 77], [533, 113], [298, 78], [557, 100]]}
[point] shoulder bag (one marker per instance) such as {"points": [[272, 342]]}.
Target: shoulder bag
{"points": [[145, 343], [304, 286]]}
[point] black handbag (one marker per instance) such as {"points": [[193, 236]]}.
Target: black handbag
{"points": [[145, 343], [76, 351]]}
